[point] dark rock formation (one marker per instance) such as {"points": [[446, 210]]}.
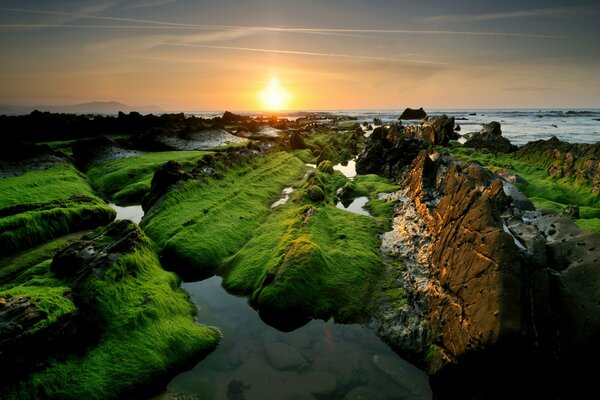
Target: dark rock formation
{"points": [[438, 130], [490, 137], [229, 117], [386, 154], [489, 281], [297, 141], [165, 176], [562, 159], [412, 113], [87, 151]]}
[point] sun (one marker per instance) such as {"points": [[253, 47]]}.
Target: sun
{"points": [[274, 97]]}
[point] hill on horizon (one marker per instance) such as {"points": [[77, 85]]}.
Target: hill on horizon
{"points": [[94, 107]]}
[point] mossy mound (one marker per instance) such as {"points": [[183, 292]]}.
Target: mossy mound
{"points": [[40, 205], [201, 222], [312, 259], [127, 180], [139, 324]]}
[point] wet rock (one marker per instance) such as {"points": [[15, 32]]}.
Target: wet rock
{"points": [[490, 137], [516, 198], [394, 367], [511, 177], [411, 113], [88, 151], [364, 393], [17, 315], [229, 117], [571, 210], [284, 357]]}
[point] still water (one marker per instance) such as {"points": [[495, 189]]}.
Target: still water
{"points": [[132, 213], [320, 360]]}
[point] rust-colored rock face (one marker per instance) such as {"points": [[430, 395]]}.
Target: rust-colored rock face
{"points": [[495, 289]]}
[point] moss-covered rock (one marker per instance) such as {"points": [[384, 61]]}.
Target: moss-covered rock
{"points": [[134, 327]]}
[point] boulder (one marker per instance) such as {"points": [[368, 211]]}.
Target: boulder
{"points": [[297, 141], [490, 137], [283, 356], [411, 113], [438, 130], [165, 176]]}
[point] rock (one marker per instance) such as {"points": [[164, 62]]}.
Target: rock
{"points": [[457, 127], [516, 198], [387, 157], [438, 130], [377, 121], [394, 367], [490, 137], [562, 159], [511, 178], [411, 113], [165, 176], [571, 210], [364, 393], [284, 357], [87, 151], [369, 127], [229, 117], [95, 256], [297, 141]]}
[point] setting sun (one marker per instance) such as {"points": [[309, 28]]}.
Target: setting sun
{"points": [[274, 97]]}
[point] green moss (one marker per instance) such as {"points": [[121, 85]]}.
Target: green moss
{"points": [[319, 261], [544, 190], [145, 323], [126, 180], [16, 269], [44, 204], [335, 145], [371, 186], [305, 155], [590, 224], [201, 223]]}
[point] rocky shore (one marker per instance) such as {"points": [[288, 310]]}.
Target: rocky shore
{"points": [[477, 261]]}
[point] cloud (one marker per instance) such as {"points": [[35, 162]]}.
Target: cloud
{"points": [[538, 12], [297, 30], [306, 53], [147, 3]]}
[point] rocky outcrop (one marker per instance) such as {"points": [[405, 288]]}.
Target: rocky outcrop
{"points": [[413, 113], [387, 152], [165, 176], [489, 280], [297, 141], [562, 159], [490, 137]]}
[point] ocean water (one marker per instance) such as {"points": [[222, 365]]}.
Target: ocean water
{"points": [[519, 126]]}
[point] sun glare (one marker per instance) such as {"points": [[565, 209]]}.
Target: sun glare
{"points": [[274, 97]]}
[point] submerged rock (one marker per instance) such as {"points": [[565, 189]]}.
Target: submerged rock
{"points": [[283, 356]]}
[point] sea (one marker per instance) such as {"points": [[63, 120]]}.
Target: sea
{"points": [[519, 126]]}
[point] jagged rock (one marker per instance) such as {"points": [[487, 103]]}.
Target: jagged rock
{"points": [[412, 113], [438, 130], [490, 137], [577, 160], [283, 356], [17, 315], [229, 117], [571, 210], [87, 151], [387, 156], [165, 176], [511, 177]]}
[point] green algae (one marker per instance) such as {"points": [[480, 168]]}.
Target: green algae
{"points": [[201, 223], [544, 190], [127, 180], [44, 204], [144, 322]]}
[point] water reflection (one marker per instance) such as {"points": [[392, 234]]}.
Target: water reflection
{"points": [[348, 168], [320, 360], [356, 205], [132, 213]]}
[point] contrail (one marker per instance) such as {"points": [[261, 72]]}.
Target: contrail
{"points": [[304, 53], [336, 31]]}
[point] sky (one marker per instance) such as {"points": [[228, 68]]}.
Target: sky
{"points": [[184, 55]]}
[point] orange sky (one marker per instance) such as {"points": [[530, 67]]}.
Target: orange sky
{"points": [[163, 53]]}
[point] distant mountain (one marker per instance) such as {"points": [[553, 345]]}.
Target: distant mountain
{"points": [[95, 107]]}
